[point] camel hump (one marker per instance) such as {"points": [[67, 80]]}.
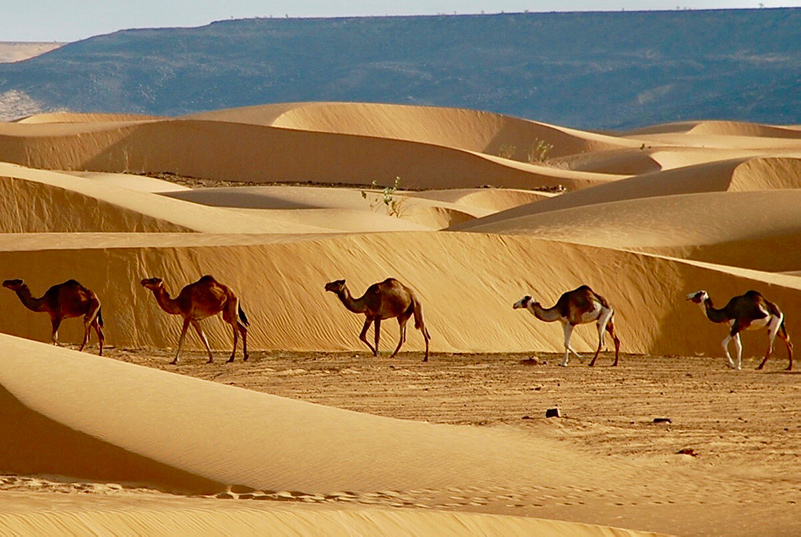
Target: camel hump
{"points": [[772, 308], [72, 282], [207, 279], [604, 302]]}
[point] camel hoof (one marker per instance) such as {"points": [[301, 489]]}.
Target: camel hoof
{"points": [[245, 359], [229, 360], [174, 362]]}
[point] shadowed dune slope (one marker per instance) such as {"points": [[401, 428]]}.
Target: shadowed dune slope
{"points": [[248, 152], [739, 175], [41, 201], [128, 419], [273, 279]]}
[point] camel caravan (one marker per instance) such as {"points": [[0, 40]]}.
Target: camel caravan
{"points": [[391, 299]]}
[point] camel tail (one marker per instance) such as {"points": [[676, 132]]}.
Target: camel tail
{"points": [[242, 317], [100, 317]]}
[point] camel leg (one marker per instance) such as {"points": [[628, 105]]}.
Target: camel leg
{"points": [[87, 325], [568, 328], [377, 334], [611, 329], [363, 336], [88, 320], [202, 336], [773, 329], [402, 325], [244, 330], [236, 341], [789, 344], [738, 346], [181, 341], [427, 337], [231, 317], [55, 322], [604, 319], [725, 344], [100, 337]]}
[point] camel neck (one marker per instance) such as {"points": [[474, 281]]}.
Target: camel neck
{"points": [[548, 315], [166, 303], [356, 305], [714, 315], [33, 304]]}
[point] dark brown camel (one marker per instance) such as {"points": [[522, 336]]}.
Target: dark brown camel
{"points": [[63, 301], [196, 301], [746, 312], [575, 307], [383, 300]]}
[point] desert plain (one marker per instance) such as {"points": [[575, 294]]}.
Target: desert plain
{"points": [[473, 210]]}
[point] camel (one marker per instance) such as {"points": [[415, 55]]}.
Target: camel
{"points": [[196, 301], [63, 301], [746, 312], [575, 307], [383, 300]]}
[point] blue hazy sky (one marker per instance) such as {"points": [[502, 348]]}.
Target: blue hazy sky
{"points": [[72, 20]]}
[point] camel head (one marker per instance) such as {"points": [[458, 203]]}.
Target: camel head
{"points": [[522, 303], [14, 285], [698, 297], [152, 283], [336, 286]]}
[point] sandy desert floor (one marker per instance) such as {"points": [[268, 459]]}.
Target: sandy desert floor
{"points": [[729, 450], [314, 435]]}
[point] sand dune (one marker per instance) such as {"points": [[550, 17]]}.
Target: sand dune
{"points": [[739, 175], [470, 130], [274, 277], [648, 217]]}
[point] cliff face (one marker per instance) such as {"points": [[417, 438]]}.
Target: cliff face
{"points": [[585, 70]]}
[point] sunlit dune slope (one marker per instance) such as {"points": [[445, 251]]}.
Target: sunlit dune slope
{"points": [[739, 175], [723, 128], [467, 283], [748, 229], [471, 130], [291, 520]]}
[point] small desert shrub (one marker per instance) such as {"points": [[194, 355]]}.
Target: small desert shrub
{"points": [[538, 152], [507, 151], [386, 197]]}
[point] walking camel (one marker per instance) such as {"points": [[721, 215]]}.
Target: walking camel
{"points": [[64, 301], [746, 312], [383, 300], [196, 301], [575, 307]]}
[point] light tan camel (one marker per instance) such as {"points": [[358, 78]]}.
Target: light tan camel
{"points": [[575, 307], [63, 301], [196, 301], [383, 300]]}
